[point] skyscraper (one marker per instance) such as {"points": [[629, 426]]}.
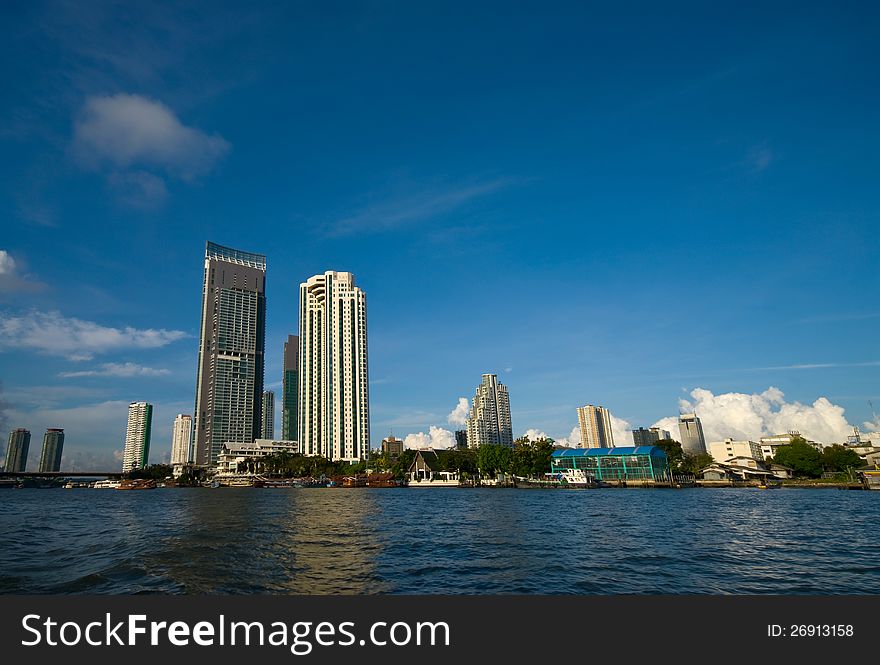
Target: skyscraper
{"points": [[595, 422], [181, 439], [461, 438], [53, 446], [290, 388], [692, 440], [137, 436], [489, 418], [17, 447], [231, 349], [333, 401], [267, 426]]}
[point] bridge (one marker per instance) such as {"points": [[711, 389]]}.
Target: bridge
{"points": [[61, 474]]}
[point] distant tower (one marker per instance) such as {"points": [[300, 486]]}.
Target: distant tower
{"points": [[290, 388], [267, 430], [595, 422], [461, 438], [181, 439], [137, 436], [489, 418], [648, 437], [334, 392], [17, 447], [692, 440], [53, 445], [231, 351]]}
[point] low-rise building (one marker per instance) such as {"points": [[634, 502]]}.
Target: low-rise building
{"points": [[232, 454], [429, 469], [645, 463], [769, 444], [392, 447], [722, 451]]}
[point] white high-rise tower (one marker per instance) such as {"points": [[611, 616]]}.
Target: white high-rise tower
{"points": [[334, 404], [181, 439], [137, 436], [489, 419]]}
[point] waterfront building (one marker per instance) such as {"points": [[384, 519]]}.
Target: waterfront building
{"points": [[489, 418], [636, 463], [461, 438], [333, 396], [392, 447], [17, 446], [181, 440], [232, 453], [267, 428], [290, 388], [595, 423], [429, 468], [740, 469], [53, 446], [721, 451], [137, 436], [229, 387], [770, 444], [691, 429]]}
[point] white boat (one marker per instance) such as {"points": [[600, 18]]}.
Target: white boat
{"points": [[106, 484], [577, 478]]}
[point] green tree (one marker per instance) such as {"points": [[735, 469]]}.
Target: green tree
{"points": [[402, 464], [695, 463], [802, 458], [493, 459], [840, 458], [673, 452]]}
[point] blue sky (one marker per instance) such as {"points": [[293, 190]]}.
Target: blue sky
{"points": [[613, 204]]}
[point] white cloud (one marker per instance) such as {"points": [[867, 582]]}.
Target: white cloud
{"points": [[534, 434], [129, 130], [118, 370], [7, 263], [458, 415], [621, 431], [53, 334], [14, 277], [753, 415], [437, 437], [573, 440]]}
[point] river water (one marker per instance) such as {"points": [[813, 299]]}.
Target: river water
{"points": [[440, 541]]}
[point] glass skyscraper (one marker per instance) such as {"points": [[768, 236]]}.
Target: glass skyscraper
{"points": [[17, 447], [267, 426], [229, 390], [289, 427], [53, 446]]}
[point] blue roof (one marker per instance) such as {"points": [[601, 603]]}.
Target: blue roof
{"points": [[655, 451]]}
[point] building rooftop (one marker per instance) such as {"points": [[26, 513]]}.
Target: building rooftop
{"points": [[215, 251], [604, 452]]}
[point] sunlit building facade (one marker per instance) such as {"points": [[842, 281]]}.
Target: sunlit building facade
{"points": [[334, 399], [489, 419]]}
